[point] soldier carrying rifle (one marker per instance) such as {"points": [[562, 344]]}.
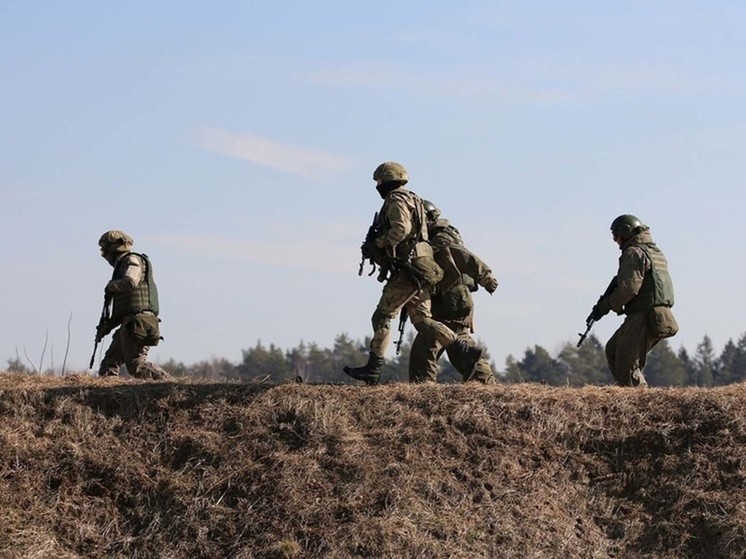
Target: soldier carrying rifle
{"points": [[406, 257], [134, 308], [642, 290]]}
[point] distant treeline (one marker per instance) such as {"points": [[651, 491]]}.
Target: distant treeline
{"points": [[572, 366]]}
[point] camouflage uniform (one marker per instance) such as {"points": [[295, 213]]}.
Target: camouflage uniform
{"points": [[405, 232], [402, 247], [644, 293], [452, 304], [134, 296]]}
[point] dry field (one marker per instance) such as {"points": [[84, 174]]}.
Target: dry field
{"points": [[115, 468]]}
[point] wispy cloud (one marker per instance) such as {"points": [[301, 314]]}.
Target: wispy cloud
{"points": [[305, 255], [533, 82], [270, 153]]}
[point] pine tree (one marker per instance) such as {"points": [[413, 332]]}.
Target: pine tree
{"points": [[664, 368], [704, 362]]}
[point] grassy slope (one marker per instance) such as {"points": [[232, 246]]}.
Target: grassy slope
{"points": [[114, 468]]}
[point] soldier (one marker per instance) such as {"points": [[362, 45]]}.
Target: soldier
{"points": [[452, 302], [134, 297], [401, 247], [643, 291]]}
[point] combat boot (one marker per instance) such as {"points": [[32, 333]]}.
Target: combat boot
{"points": [[471, 354], [368, 373]]}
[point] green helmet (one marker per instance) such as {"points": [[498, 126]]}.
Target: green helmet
{"points": [[391, 171], [115, 241], [431, 210], [626, 225]]}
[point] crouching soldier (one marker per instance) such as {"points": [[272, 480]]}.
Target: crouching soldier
{"points": [[134, 299]]}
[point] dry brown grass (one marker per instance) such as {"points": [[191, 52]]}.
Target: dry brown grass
{"points": [[111, 468]]}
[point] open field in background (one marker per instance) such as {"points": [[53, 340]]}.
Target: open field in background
{"points": [[114, 468]]}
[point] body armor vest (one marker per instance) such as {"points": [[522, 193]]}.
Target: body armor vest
{"points": [[456, 303], [144, 297], [657, 287]]}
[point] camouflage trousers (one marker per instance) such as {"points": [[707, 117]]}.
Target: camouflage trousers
{"points": [[127, 350], [627, 350], [426, 350], [398, 292]]}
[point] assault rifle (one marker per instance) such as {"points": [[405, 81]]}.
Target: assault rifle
{"points": [[402, 323], [368, 247], [591, 317], [101, 328]]}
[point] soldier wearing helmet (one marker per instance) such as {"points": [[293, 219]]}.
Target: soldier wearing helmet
{"points": [[403, 238], [134, 299], [644, 293], [452, 302]]}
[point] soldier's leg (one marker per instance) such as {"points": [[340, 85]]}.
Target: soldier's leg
{"points": [[396, 292], [610, 351], [418, 308], [135, 355], [423, 358], [629, 351], [482, 371], [113, 358]]}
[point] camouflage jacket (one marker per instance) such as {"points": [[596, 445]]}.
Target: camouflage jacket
{"points": [[643, 281]]}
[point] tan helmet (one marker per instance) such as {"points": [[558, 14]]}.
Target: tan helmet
{"points": [[115, 241], [390, 171]]}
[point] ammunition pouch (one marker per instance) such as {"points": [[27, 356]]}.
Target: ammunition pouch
{"points": [[145, 328], [662, 322], [423, 262]]}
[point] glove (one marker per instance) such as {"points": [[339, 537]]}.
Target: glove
{"points": [[102, 330], [490, 283], [600, 309]]}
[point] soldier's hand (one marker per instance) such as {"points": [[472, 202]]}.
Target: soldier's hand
{"points": [[490, 284], [101, 331], [600, 309]]}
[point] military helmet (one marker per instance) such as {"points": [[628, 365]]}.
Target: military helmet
{"points": [[391, 171], [115, 241], [626, 225], [431, 210]]}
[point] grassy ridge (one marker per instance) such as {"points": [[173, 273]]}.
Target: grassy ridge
{"points": [[110, 468]]}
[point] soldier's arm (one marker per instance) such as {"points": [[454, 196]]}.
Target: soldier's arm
{"points": [[133, 273], [399, 219], [632, 267], [470, 264]]}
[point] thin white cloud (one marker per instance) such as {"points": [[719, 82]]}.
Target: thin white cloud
{"points": [[317, 256], [270, 153], [536, 82]]}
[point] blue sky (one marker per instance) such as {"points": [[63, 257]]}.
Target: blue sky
{"points": [[235, 141]]}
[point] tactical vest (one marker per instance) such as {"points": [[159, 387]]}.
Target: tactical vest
{"points": [[144, 297], [419, 222], [456, 303], [657, 288], [443, 233]]}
